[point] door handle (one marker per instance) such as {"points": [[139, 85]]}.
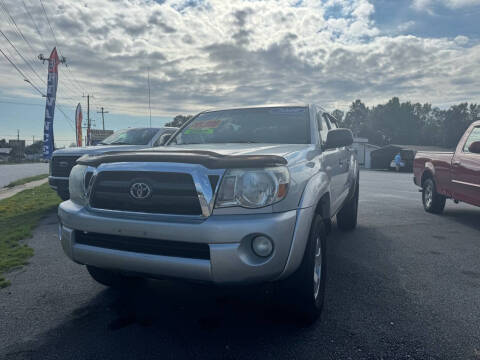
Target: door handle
{"points": [[340, 162], [457, 163]]}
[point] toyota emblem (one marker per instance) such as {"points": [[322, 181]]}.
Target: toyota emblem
{"points": [[140, 190]]}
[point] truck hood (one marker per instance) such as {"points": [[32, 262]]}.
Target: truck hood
{"points": [[286, 151], [211, 155], [95, 150]]}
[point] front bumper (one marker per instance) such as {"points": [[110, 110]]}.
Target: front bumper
{"points": [[228, 237], [58, 183]]}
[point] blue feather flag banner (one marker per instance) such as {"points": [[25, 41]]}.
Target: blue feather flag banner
{"points": [[48, 142]]}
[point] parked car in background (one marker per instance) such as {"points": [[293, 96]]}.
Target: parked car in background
{"points": [[64, 160], [237, 196], [443, 175]]}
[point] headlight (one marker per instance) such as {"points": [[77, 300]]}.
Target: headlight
{"points": [[253, 188], [76, 184]]}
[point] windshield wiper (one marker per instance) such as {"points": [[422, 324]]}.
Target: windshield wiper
{"points": [[119, 143]]}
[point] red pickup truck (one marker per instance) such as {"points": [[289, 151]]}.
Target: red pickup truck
{"points": [[443, 175]]}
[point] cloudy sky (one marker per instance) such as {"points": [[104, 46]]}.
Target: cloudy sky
{"points": [[217, 53]]}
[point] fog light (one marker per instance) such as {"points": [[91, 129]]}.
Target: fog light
{"points": [[262, 246]]}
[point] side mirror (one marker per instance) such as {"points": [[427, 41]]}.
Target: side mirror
{"points": [[163, 139], [474, 147], [338, 138]]}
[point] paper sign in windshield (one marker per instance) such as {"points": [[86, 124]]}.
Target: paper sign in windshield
{"points": [[204, 127]]}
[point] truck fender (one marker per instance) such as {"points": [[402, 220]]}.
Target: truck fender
{"points": [[429, 170], [315, 200], [316, 188]]}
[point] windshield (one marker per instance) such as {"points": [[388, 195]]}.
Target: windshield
{"points": [[130, 137], [277, 125]]}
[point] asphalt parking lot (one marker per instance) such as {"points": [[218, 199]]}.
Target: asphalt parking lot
{"points": [[404, 285]]}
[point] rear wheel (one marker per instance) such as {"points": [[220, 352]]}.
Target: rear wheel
{"points": [[304, 291], [433, 202], [347, 217], [106, 277]]}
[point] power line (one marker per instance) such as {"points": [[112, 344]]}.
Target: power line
{"points": [[55, 38], [23, 58], [48, 21], [70, 121], [19, 103], [5, 8], [16, 29], [35, 24], [25, 78]]}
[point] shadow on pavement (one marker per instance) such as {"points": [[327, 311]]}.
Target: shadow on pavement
{"points": [[466, 216]]}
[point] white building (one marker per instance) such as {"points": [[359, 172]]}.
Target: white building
{"points": [[363, 150]]}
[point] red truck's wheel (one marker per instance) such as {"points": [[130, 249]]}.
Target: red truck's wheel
{"points": [[433, 202]]}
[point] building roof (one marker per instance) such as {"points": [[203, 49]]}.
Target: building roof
{"points": [[422, 148]]}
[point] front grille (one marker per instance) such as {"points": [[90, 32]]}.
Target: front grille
{"points": [[62, 165], [145, 246], [171, 193]]}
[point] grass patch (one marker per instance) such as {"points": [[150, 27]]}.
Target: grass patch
{"points": [[19, 215], [26, 180]]}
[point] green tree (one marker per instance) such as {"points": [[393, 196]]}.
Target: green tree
{"points": [[179, 120], [357, 117], [338, 114]]}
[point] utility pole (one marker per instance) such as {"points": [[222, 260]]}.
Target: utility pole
{"points": [[33, 139], [149, 104], [18, 134], [103, 119], [89, 124]]}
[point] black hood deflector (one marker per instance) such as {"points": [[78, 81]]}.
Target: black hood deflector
{"points": [[209, 159]]}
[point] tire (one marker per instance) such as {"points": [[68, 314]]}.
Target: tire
{"points": [[106, 277], [433, 202], [304, 291], [347, 216]]}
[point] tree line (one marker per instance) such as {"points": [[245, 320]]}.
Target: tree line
{"points": [[408, 123], [402, 123]]}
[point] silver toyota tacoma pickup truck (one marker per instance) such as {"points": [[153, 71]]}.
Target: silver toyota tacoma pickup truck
{"points": [[236, 196]]}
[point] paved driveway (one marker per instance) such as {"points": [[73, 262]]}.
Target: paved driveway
{"points": [[404, 285], [9, 173]]}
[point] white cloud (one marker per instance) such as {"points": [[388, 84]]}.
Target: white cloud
{"points": [[452, 4], [405, 26], [237, 52], [462, 40]]}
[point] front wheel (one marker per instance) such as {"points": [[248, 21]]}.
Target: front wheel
{"points": [[304, 291], [433, 202]]}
